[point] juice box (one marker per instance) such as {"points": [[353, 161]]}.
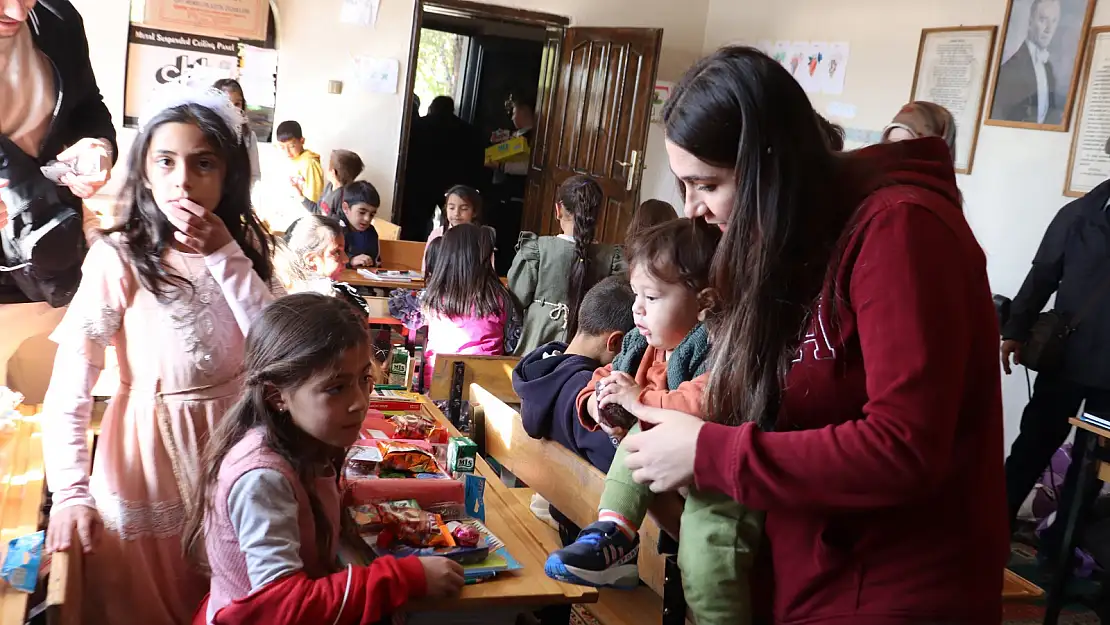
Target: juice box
{"points": [[461, 454], [399, 367]]}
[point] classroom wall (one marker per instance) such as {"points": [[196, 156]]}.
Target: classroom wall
{"points": [[1018, 176], [315, 48]]}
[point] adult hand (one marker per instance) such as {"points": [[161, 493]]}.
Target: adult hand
{"points": [[3, 208], [663, 457], [82, 521], [444, 577], [197, 228], [1010, 348], [618, 388], [93, 158]]}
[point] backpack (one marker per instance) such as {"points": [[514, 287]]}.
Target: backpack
{"points": [[1045, 501], [43, 244]]}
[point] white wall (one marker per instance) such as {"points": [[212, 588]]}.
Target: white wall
{"points": [[314, 47], [1016, 184]]}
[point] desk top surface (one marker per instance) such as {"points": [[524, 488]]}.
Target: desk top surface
{"points": [[511, 520], [354, 278], [1090, 427]]}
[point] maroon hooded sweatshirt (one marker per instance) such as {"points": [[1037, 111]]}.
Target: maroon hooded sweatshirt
{"points": [[883, 481]]}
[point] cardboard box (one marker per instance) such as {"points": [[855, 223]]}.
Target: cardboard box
{"points": [[514, 148]]}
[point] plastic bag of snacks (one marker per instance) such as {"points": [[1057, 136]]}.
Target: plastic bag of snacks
{"points": [[404, 523], [21, 563], [413, 426], [405, 458]]}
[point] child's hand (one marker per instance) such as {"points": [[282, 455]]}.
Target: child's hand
{"points": [[298, 185], [75, 523], [444, 577], [197, 228], [362, 260], [619, 388]]}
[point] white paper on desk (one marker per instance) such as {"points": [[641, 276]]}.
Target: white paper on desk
{"points": [[359, 12], [376, 75]]}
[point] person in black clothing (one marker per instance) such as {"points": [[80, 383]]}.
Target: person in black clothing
{"points": [[44, 53], [550, 378], [444, 151], [1073, 262], [510, 180]]}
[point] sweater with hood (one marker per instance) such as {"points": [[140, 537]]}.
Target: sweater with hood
{"points": [[548, 381], [309, 175], [883, 480]]}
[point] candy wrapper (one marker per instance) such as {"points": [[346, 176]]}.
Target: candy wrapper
{"points": [[412, 526], [464, 535], [404, 457], [21, 563], [615, 416], [413, 426]]}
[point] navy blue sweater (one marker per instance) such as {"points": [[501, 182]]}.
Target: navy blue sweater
{"points": [[548, 388]]}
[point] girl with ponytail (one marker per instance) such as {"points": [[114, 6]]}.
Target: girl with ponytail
{"points": [[550, 274]]}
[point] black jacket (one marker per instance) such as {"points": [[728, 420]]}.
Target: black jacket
{"points": [[548, 381], [1073, 261], [59, 32]]}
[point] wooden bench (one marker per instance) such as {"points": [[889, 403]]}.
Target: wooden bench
{"points": [[454, 373], [573, 486]]}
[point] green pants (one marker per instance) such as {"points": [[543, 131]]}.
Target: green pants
{"points": [[716, 544]]}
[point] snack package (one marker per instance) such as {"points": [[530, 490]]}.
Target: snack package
{"points": [[366, 517], [362, 462], [413, 426], [411, 526], [615, 416], [464, 535], [461, 454], [475, 489], [400, 456], [22, 561]]}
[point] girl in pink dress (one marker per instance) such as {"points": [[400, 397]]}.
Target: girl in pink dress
{"points": [[174, 289], [465, 306]]}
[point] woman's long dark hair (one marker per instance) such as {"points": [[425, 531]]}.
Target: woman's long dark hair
{"points": [[464, 282], [581, 196], [147, 233], [296, 338], [738, 108]]}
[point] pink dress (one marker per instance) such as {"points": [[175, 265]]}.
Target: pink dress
{"points": [[473, 336], [179, 365]]}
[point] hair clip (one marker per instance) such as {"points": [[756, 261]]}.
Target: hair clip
{"points": [[172, 95]]}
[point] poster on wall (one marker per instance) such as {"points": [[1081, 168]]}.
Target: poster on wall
{"points": [[230, 19], [659, 100], [952, 68], [157, 57], [1036, 74], [258, 77], [1088, 162], [834, 67]]}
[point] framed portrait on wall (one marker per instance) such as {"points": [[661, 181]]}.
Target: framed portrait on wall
{"points": [[1036, 74], [1089, 159], [952, 69]]}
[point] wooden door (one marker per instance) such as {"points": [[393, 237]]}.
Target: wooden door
{"points": [[595, 108]]}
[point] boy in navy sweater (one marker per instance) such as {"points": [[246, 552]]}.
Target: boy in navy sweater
{"points": [[550, 378], [360, 239]]}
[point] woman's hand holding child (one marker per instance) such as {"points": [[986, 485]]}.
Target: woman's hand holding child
{"points": [[84, 521], [444, 577], [197, 228]]}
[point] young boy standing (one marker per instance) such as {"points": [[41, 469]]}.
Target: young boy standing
{"points": [[307, 176], [550, 378], [360, 239]]}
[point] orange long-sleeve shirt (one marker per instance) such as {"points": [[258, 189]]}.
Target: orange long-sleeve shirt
{"points": [[652, 378]]}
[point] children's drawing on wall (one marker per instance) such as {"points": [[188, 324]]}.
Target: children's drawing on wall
{"points": [[662, 93], [835, 68]]}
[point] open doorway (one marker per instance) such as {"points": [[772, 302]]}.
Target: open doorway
{"points": [[579, 97], [469, 70]]}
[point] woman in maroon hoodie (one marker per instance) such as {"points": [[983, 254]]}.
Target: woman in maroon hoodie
{"points": [[855, 392]]}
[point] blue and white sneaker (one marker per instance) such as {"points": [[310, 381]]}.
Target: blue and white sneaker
{"points": [[602, 555]]}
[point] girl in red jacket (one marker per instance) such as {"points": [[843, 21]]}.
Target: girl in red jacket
{"points": [[857, 350], [269, 512]]}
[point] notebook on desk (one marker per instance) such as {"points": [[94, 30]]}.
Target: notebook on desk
{"points": [[1095, 420]]}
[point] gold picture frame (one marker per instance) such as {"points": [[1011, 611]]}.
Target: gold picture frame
{"points": [[1101, 170], [969, 117], [1014, 73]]}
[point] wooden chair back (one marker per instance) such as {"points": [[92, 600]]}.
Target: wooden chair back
{"points": [[494, 373], [566, 480], [387, 231], [401, 255]]}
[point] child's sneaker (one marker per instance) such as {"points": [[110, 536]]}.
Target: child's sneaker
{"points": [[601, 556]]}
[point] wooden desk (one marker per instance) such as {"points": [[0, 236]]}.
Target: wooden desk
{"points": [[525, 537], [1088, 467], [21, 491], [353, 278]]}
